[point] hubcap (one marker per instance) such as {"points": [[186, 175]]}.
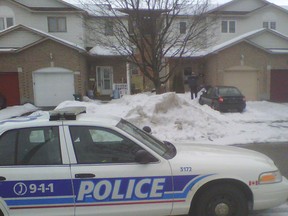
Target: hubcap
{"points": [[222, 209]]}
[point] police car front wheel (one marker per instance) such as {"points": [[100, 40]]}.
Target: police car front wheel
{"points": [[222, 200]]}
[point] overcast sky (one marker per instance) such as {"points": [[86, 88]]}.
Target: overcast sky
{"points": [[278, 2]]}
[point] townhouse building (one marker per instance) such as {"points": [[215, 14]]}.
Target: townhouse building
{"points": [[42, 51], [47, 53], [249, 51]]}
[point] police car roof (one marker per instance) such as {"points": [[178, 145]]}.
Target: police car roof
{"points": [[103, 119], [44, 116], [79, 114]]}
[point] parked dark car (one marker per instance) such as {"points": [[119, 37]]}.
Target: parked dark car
{"points": [[2, 101], [224, 98]]}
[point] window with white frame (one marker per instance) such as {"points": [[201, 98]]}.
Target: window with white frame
{"points": [[57, 24], [6, 22], [228, 26], [183, 27], [269, 25]]}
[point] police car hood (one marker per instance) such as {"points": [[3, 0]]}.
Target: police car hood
{"points": [[218, 154]]}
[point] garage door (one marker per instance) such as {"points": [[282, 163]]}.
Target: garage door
{"points": [[53, 86], [246, 81], [9, 87], [279, 86]]}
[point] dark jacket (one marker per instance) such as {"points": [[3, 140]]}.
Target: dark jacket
{"points": [[192, 80]]}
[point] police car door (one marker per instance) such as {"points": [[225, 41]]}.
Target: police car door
{"points": [[35, 177], [107, 179]]}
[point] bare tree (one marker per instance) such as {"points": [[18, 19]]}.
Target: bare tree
{"points": [[147, 31]]}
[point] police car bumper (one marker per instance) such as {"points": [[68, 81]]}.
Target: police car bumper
{"points": [[270, 195]]}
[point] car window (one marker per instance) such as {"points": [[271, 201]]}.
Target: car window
{"points": [[210, 91], [229, 92], [95, 145], [30, 146]]}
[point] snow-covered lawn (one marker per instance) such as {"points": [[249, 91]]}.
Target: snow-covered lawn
{"points": [[177, 118]]}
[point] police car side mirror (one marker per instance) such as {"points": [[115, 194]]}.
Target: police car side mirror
{"points": [[147, 129], [144, 157]]}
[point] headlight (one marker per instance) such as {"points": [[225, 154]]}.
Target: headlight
{"points": [[270, 177]]}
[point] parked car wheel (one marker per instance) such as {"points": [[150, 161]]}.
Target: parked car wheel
{"points": [[200, 101], [222, 200], [215, 106], [240, 110]]}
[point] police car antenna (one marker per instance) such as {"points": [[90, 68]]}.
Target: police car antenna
{"points": [[66, 113]]}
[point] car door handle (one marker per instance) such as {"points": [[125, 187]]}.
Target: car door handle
{"points": [[85, 175], [2, 178]]}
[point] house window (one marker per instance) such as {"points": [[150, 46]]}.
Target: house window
{"points": [[134, 69], [187, 72], [57, 24], [228, 26], [183, 27], [6, 22], [269, 25], [109, 28], [273, 25], [266, 25]]}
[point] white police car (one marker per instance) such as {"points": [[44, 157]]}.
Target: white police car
{"points": [[80, 164]]}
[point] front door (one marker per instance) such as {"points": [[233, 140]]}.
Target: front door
{"points": [[108, 181], [9, 88], [104, 80]]}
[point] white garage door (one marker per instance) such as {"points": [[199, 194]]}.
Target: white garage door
{"points": [[246, 81], [53, 86]]}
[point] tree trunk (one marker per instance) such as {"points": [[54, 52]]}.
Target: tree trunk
{"points": [[158, 88]]}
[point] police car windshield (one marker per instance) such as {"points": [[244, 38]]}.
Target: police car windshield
{"points": [[159, 147]]}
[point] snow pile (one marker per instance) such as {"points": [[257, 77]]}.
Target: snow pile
{"points": [[177, 118], [14, 111]]}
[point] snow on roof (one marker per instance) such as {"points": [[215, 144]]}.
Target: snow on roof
{"points": [[100, 10], [109, 51], [48, 5], [76, 46], [279, 51], [65, 42], [229, 43], [233, 41], [103, 51], [7, 49]]}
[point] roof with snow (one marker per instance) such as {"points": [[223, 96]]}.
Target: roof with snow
{"points": [[247, 37], [46, 6], [42, 37], [227, 8]]}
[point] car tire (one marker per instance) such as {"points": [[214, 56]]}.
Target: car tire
{"points": [[200, 101], [221, 200], [240, 110], [214, 106]]}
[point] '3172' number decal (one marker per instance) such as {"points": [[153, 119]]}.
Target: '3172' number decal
{"points": [[185, 169]]}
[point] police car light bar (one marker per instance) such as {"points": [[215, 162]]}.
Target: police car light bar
{"points": [[67, 113]]}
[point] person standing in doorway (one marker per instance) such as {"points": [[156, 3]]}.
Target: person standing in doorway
{"points": [[193, 85]]}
